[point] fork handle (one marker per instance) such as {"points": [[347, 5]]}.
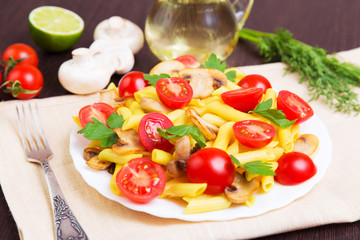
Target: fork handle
{"points": [[66, 226]]}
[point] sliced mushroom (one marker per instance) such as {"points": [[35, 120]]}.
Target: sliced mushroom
{"points": [[128, 142], [91, 152], [171, 67], [152, 105], [241, 189], [97, 164], [207, 129], [177, 167], [112, 98], [203, 80], [306, 143]]}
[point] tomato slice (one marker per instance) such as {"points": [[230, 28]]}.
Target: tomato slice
{"points": [[188, 61], [141, 180], [254, 133], [148, 133], [294, 168], [174, 92], [100, 111], [244, 99], [255, 80], [294, 107]]}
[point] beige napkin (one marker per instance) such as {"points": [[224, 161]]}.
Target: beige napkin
{"points": [[334, 199]]}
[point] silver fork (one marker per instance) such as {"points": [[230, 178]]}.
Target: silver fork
{"points": [[37, 149]]}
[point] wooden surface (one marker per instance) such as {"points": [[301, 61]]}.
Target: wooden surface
{"points": [[330, 24]]}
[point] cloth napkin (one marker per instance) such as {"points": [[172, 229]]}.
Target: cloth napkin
{"points": [[333, 200]]}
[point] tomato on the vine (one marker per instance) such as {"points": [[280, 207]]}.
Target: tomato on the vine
{"points": [[212, 166], [100, 111], [132, 82], [294, 168], [174, 92], [244, 99], [294, 107], [255, 80], [149, 136], [24, 82], [19, 51], [141, 180], [188, 61], [254, 133]]}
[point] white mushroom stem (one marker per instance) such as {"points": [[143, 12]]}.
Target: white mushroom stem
{"points": [[121, 29]]}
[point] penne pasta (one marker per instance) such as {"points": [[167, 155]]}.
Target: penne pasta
{"points": [[149, 91], [179, 190], [208, 204], [113, 187], [226, 112], [270, 94], [262, 155], [135, 109], [250, 201], [214, 119], [161, 157], [132, 122], [232, 86], [267, 183], [285, 139], [223, 137], [125, 112], [109, 155]]}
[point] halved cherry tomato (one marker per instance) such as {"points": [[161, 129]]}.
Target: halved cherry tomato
{"points": [[255, 80], [131, 83], [148, 133], [244, 99], [141, 180], [100, 111], [294, 107], [212, 166], [294, 168], [188, 61], [254, 133], [20, 50], [174, 92]]}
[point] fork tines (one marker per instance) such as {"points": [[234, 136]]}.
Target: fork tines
{"points": [[31, 128]]}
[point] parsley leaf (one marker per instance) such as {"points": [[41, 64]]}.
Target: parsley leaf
{"points": [[96, 130], [154, 78], [182, 130], [255, 167], [276, 116], [214, 62]]}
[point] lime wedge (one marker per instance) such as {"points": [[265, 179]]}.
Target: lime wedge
{"points": [[55, 29]]}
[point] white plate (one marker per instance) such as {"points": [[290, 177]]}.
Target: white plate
{"points": [[278, 197]]}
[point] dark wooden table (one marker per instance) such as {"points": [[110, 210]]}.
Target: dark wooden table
{"points": [[331, 24]]}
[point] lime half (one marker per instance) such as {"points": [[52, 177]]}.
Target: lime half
{"points": [[55, 29]]}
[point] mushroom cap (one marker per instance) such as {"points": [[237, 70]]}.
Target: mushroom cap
{"points": [[241, 189]]}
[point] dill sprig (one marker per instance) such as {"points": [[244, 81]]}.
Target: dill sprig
{"points": [[325, 75]]}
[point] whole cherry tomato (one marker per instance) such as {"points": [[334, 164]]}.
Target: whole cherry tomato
{"points": [[19, 51], [132, 82], [244, 99], [294, 168], [149, 136], [293, 106], [100, 111], [254, 133], [24, 82], [188, 61], [141, 180], [174, 92], [255, 80], [212, 166]]}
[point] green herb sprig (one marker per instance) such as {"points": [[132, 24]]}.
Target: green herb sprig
{"points": [[325, 75], [276, 116], [154, 78], [182, 130], [255, 167], [214, 62], [96, 130]]}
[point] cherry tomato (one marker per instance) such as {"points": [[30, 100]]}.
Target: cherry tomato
{"points": [[188, 61], [212, 166], [24, 82], [174, 92], [148, 133], [294, 168], [244, 99], [132, 82], [141, 180], [254, 133], [293, 106], [20, 50], [100, 111], [255, 80]]}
